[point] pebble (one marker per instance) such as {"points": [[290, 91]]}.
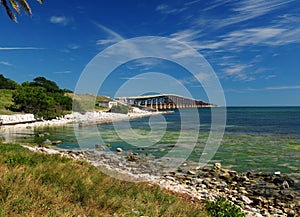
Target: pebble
{"points": [[119, 150]]}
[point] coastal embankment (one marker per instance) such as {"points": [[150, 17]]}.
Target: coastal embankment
{"points": [[87, 118], [258, 194]]}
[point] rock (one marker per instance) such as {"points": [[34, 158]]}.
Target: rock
{"points": [[225, 176], [133, 157], [100, 147], [242, 178], [245, 199], [279, 180], [217, 166], [47, 142], [119, 150], [56, 142], [290, 212], [285, 184], [261, 201], [190, 172], [252, 214], [277, 173]]}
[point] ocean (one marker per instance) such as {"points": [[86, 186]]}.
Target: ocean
{"points": [[265, 139]]}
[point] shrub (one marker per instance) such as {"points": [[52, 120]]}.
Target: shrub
{"points": [[120, 109], [223, 208]]}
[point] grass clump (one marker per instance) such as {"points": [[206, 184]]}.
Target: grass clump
{"points": [[33, 184], [223, 208]]}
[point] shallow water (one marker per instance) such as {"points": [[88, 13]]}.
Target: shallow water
{"points": [[256, 138]]}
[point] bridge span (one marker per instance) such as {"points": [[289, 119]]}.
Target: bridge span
{"points": [[163, 101]]}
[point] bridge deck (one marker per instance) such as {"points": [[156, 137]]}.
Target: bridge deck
{"points": [[163, 101]]}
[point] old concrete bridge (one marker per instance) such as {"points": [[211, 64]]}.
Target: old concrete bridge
{"points": [[163, 101]]}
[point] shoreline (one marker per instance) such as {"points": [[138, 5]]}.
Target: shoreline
{"points": [[88, 118], [258, 194]]}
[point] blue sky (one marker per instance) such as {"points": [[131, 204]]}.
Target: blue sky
{"points": [[252, 45]]}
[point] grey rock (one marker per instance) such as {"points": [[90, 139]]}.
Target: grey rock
{"points": [[47, 142], [245, 199]]}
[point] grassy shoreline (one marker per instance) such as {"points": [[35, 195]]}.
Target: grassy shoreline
{"points": [[34, 184]]}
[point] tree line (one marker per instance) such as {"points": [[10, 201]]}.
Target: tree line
{"points": [[41, 97]]}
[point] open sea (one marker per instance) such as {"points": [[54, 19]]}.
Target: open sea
{"points": [[263, 139]]}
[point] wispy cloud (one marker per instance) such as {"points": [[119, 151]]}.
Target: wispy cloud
{"points": [[20, 48], [62, 72], [283, 87], [73, 46], [61, 20], [245, 10], [167, 9], [5, 63], [113, 37]]}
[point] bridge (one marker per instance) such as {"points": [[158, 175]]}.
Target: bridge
{"points": [[163, 101]]}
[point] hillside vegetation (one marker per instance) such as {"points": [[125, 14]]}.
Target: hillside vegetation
{"points": [[6, 101], [35, 184]]}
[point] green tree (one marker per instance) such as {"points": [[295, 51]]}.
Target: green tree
{"points": [[34, 100], [15, 6], [6, 83], [40, 101], [50, 86]]}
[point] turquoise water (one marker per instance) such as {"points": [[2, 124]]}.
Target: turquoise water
{"points": [[256, 138]]}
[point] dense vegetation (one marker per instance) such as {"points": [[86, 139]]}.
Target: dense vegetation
{"points": [[6, 83], [41, 97], [35, 184]]}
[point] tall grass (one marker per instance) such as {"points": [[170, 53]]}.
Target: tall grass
{"points": [[33, 184]]}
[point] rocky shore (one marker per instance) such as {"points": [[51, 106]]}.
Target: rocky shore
{"points": [[258, 194]]}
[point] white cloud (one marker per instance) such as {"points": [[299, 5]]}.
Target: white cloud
{"points": [[235, 69], [61, 20], [245, 10], [20, 48], [166, 9], [73, 46], [113, 37], [283, 87], [5, 63], [107, 41], [62, 72]]}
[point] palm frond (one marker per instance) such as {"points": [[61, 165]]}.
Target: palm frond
{"points": [[9, 12], [15, 6], [25, 6]]}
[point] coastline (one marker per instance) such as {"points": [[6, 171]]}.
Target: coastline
{"points": [[88, 118], [258, 194]]}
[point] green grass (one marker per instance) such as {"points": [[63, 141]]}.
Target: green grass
{"points": [[33, 184], [5, 101], [223, 208], [88, 102]]}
